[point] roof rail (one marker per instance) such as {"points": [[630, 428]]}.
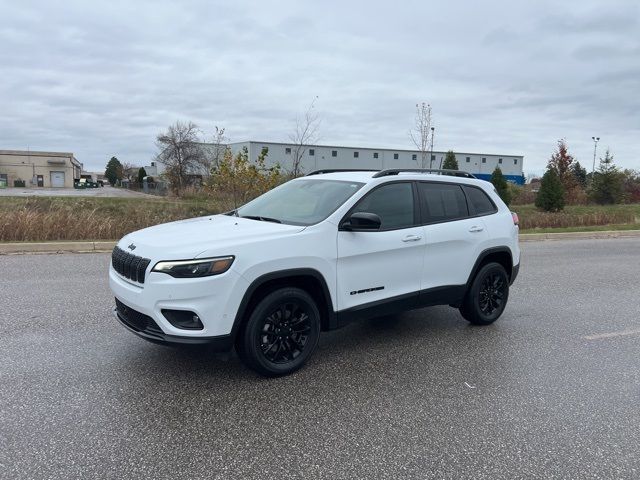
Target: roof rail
{"points": [[396, 171], [337, 170]]}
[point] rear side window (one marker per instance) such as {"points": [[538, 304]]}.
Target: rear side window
{"points": [[441, 202], [479, 202], [393, 203]]}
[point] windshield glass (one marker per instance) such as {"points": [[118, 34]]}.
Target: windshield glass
{"points": [[300, 202]]}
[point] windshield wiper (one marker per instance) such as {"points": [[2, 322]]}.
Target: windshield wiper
{"points": [[262, 219]]}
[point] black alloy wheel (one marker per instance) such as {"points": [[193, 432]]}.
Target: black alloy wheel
{"points": [[285, 332], [492, 293], [281, 332], [487, 296]]}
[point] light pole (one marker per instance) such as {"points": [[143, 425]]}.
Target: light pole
{"points": [[431, 152], [595, 146]]}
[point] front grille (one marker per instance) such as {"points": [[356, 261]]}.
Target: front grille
{"points": [[128, 265], [136, 320]]}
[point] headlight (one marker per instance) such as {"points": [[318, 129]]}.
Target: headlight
{"points": [[194, 268]]}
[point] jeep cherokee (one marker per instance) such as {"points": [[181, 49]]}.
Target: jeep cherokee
{"points": [[314, 254]]}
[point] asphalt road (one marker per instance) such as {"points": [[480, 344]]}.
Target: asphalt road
{"points": [[543, 393]]}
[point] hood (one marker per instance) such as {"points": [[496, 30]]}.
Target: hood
{"points": [[186, 239]]}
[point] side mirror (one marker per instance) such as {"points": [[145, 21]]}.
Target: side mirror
{"points": [[362, 221]]}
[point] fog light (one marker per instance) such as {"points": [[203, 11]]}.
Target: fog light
{"points": [[183, 319]]}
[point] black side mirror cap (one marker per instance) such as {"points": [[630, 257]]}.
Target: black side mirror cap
{"points": [[362, 221]]}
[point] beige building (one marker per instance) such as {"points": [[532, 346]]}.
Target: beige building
{"points": [[39, 169]]}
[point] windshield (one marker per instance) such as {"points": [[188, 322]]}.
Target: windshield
{"points": [[300, 202]]}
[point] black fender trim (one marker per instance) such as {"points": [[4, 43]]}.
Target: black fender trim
{"points": [[280, 275], [483, 255]]}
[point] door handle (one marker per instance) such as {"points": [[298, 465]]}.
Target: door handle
{"points": [[411, 238], [475, 229]]}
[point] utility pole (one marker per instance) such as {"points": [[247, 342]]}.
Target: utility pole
{"points": [[595, 146], [431, 152]]}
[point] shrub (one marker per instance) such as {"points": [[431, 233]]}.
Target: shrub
{"points": [[551, 195], [502, 186], [19, 183], [236, 180]]}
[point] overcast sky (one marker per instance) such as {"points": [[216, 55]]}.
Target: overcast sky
{"points": [[103, 78]]}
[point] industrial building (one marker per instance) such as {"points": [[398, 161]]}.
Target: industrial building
{"points": [[317, 157], [39, 169]]}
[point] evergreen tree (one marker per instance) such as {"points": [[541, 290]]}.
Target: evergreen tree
{"points": [[113, 171], [501, 184], [608, 182], [141, 174], [450, 162], [551, 194], [561, 162], [580, 174]]}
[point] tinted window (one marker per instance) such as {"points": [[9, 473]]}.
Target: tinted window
{"points": [[442, 202], [393, 203], [479, 202], [301, 202]]}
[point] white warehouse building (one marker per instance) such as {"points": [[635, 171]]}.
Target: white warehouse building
{"points": [[322, 157]]}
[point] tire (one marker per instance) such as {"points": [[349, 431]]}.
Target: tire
{"points": [[273, 347], [487, 296]]}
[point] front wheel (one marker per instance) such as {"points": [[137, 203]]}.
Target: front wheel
{"points": [[281, 333], [487, 296]]}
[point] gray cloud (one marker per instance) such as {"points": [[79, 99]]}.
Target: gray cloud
{"points": [[102, 79]]}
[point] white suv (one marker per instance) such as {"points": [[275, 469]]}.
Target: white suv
{"points": [[314, 254]]}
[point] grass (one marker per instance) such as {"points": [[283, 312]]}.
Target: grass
{"points": [[579, 218], [67, 218], [34, 219]]}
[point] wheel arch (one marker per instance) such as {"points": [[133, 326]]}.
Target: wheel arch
{"points": [[308, 279], [501, 255]]}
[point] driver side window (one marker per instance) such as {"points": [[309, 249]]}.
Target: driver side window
{"points": [[393, 203]]}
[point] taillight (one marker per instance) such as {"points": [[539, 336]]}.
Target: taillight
{"points": [[516, 220]]}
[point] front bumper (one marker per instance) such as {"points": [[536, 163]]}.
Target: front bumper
{"points": [[215, 300], [150, 331]]}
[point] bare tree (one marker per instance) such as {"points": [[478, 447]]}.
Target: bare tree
{"points": [[218, 148], [422, 132], [181, 153], [305, 133], [129, 171]]}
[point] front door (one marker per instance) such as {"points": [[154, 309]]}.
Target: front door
{"points": [[376, 267], [40, 180]]}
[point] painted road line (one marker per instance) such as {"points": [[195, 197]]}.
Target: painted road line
{"points": [[621, 333]]}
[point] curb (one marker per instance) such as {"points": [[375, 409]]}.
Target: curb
{"points": [[56, 247], [107, 246], [538, 237]]}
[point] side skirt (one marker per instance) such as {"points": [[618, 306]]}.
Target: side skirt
{"points": [[447, 295]]}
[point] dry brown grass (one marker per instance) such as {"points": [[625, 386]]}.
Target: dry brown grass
{"points": [[577, 216], [57, 218]]}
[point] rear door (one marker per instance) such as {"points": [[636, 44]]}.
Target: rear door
{"points": [[386, 264], [454, 239]]}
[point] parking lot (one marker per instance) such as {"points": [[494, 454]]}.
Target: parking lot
{"points": [[552, 390], [106, 191]]}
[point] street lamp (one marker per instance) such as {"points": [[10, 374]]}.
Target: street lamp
{"points": [[595, 146], [431, 152]]}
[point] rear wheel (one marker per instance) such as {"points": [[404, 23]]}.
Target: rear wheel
{"points": [[281, 333], [487, 297]]}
